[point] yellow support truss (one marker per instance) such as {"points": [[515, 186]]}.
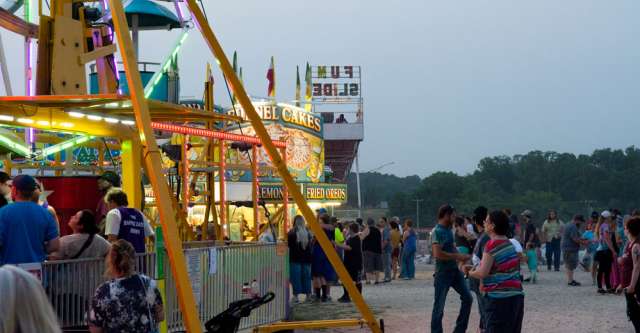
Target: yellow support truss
{"points": [[256, 122], [153, 165]]}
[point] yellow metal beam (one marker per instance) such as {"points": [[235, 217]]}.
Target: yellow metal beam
{"points": [[261, 131], [56, 120], [131, 154], [97, 53], [309, 325], [153, 163]]}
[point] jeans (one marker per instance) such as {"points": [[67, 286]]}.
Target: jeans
{"points": [[474, 285], [407, 264], [386, 264], [633, 309], [300, 278], [553, 250], [444, 280], [605, 260]]}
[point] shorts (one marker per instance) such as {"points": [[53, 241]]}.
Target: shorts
{"points": [[372, 262], [570, 259]]}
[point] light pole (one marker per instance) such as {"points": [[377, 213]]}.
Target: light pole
{"points": [[418, 201]]}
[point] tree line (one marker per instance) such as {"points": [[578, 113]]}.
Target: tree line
{"points": [[538, 181]]}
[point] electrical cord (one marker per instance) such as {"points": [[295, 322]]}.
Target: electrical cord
{"points": [[204, 11]]}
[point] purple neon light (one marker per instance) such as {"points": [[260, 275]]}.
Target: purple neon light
{"points": [[180, 14]]}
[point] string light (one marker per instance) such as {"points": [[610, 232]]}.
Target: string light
{"points": [[25, 121], [65, 145], [202, 132], [16, 147], [94, 117], [157, 76]]}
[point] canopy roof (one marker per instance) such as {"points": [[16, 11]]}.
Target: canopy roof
{"points": [[151, 15]]}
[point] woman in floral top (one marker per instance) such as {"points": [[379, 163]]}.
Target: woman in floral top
{"points": [[500, 273], [130, 302]]}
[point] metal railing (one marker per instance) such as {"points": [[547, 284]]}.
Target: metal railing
{"points": [[235, 266], [70, 284]]}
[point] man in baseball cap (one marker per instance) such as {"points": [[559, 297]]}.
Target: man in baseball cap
{"points": [[28, 232]]}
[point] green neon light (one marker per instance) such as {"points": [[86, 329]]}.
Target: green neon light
{"points": [[14, 146], [157, 76], [65, 145]]}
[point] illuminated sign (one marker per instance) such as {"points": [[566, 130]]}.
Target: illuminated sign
{"points": [[312, 192], [302, 131], [336, 81], [283, 113], [325, 192]]}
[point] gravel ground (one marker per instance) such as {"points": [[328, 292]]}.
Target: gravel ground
{"points": [[550, 306]]}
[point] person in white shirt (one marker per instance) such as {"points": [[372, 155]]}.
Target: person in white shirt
{"points": [[126, 223]]}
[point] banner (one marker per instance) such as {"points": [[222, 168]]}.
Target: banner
{"points": [[323, 192], [303, 133]]}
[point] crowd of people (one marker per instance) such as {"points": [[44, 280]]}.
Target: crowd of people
{"points": [[372, 252], [30, 234], [480, 254], [483, 253]]}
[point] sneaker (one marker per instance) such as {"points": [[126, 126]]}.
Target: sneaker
{"points": [[344, 300], [601, 291], [386, 281], [527, 280], [574, 283]]}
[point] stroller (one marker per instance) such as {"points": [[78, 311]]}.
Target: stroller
{"points": [[228, 320]]}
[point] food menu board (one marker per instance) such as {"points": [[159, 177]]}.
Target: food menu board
{"points": [[302, 132]]}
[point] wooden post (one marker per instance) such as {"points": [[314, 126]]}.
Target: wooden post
{"points": [[254, 189], [285, 197], [223, 192]]}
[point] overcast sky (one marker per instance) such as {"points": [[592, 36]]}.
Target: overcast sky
{"points": [[445, 82]]}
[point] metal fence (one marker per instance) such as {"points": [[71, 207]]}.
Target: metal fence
{"points": [[235, 265], [70, 284]]}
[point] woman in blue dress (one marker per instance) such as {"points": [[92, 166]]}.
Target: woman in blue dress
{"points": [[321, 269]]}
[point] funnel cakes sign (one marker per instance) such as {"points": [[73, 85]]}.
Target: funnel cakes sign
{"points": [[302, 132]]}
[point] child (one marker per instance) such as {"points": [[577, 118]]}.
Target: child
{"points": [[352, 259], [587, 263], [532, 261]]}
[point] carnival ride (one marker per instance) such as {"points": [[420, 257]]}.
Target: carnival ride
{"points": [[58, 113]]}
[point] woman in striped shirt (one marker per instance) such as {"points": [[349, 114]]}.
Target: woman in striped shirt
{"points": [[499, 271]]}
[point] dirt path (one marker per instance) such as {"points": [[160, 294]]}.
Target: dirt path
{"points": [[550, 306]]}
